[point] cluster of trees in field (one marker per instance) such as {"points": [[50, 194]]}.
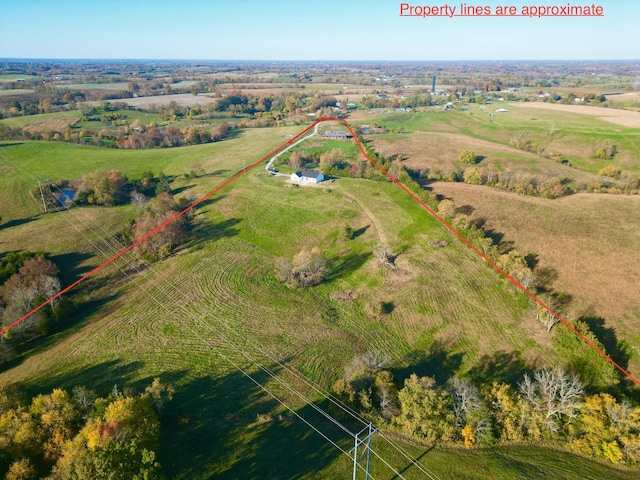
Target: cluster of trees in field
{"points": [[26, 281], [549, 406], [154, 213], [77, 435], [151, 196], [307, 268]]}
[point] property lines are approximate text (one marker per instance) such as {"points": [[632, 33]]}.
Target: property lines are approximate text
{"points": [[530, 11], [388, 175]]}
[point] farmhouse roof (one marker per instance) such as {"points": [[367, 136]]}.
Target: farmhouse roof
{"points": [[308, 173], [335, 133]]}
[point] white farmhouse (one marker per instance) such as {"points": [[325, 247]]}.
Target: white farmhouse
{"points": [[307, 176]]}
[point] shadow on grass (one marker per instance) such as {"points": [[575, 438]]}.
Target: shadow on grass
{"points": [[501, 367], [209, 231], [230, 428], [101, 378], [360, 231], [345, 265], [16, 222], [176, 191], [616, 349], [215, 173], [412, 463], [437, 362], [70, 266]]}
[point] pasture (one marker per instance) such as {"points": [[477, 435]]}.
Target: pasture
{"points": [[214, 312], [575, 136], [586, 243]]}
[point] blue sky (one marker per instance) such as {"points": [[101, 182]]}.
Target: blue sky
{"points": [[305, 30]]}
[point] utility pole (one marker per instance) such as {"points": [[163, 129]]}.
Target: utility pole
{"points": [[369, 430], [44, 204]]}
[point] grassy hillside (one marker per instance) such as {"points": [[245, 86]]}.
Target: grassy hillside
{"points": [[586, 243], [573, 135], [23, 163], [215, 309]]}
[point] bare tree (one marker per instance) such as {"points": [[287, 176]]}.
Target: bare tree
{"points": [[375, 359], [554, 394], [466, 400], [139, 200], [384, 256], [544, 315]]}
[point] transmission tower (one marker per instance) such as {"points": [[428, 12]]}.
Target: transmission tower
{"points": [[363, 437]]}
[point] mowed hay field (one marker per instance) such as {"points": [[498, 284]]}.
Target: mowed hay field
{"points": [[590, 240], [214, 310], [625, 118], [215, 306]]}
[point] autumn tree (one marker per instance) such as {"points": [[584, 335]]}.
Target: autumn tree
{"points": [[606, 151], [21, 469], [35, 281], [296, 160], [608, 429], [103, 188], [505, 406], [447, 208], [426, 410], [468, 156], [609, 171], [331, 159], [159, 211], [473, 176]]}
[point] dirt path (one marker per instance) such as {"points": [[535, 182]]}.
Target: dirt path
{"points": [[374, 221]]}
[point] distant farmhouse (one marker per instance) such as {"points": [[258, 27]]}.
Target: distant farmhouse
{"points": [[307, 176], [335, 134]]}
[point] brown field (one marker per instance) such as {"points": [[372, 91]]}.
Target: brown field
{"points": [[603, 277], [625, 118], [53, 125], [182, 99], [16, 91], [441, 150]]}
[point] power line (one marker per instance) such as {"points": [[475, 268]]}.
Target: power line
{"points": [[295, 373], [269, 372]]}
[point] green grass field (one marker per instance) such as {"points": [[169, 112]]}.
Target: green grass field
{"points": [[215, 308]]}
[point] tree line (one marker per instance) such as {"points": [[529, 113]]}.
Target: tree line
{"points": [[548, 407]]}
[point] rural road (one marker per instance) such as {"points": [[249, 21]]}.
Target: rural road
{"points": [[273, 159], [367, 212]]}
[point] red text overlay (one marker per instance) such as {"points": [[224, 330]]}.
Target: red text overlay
{"points": [[531, 11]]}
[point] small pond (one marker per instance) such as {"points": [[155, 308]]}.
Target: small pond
{"points": [[66, 194]]}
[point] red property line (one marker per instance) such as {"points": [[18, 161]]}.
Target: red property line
{"points": [[484, 257], [388, 175], [154, 231]]}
